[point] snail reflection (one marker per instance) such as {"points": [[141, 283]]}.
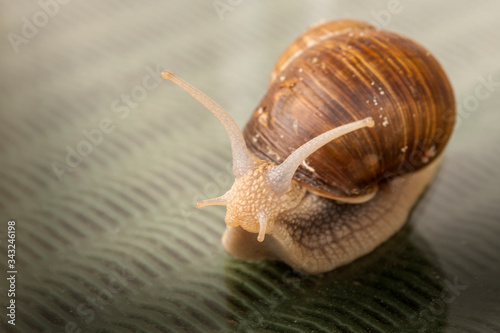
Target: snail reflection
{"points": [[399, 287]]}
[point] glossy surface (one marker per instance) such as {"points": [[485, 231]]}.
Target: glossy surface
{"points": [[118, 246]]}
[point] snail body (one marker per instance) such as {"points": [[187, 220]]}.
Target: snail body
{"points": [[347, 137]]}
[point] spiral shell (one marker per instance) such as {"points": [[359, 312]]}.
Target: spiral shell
{"points": [[343, 71]]}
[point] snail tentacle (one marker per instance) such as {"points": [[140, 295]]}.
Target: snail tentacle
{"points": [[219, 201], [263, 226], [280, 177], [243, 160]]}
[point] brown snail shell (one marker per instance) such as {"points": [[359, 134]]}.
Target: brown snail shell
{"points": [[342, 71], [353, 114]]}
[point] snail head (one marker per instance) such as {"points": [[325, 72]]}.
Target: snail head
{"points": [[262, 190]]}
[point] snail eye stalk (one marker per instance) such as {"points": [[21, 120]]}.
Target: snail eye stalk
{"points": [[281, 176], [243, 161]]}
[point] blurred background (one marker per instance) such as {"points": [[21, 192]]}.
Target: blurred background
{"points": [[101, 163]]}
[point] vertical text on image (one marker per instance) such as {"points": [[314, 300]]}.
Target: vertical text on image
{"points": [[11, 271]]}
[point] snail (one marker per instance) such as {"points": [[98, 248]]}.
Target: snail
{"points": [[347, 137]]}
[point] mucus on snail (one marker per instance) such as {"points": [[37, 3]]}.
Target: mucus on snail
{"points": [[347, 137]]}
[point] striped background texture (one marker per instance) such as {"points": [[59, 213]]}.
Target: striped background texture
{"points": [[111, 241]]}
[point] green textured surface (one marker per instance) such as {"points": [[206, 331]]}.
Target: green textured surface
{"points": [[116, 244]]}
